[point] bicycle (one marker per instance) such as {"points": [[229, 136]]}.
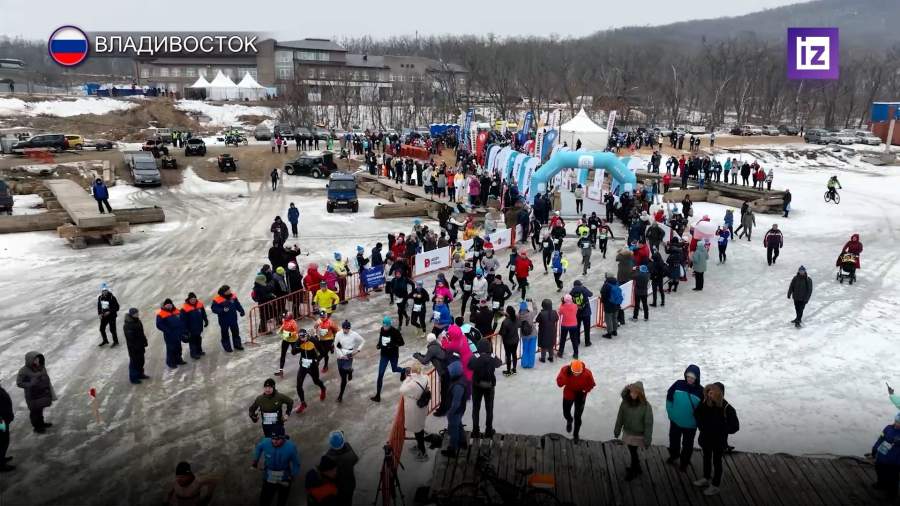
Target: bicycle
{"points": [[832, 196], [488, 489]]}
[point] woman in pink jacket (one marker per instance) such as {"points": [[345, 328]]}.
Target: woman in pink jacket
{"points": [[568, 324], [457, 342], [474, 190]]}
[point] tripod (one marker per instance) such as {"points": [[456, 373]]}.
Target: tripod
{"points": [[388, 491]]}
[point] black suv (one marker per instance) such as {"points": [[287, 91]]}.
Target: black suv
{"points": [[317, 166], [194, 146], [56, 142]]}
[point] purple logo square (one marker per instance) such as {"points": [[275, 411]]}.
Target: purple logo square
{"points": [[812, 53]]}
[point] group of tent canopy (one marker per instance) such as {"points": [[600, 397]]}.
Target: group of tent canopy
{"points": [[223, 88]]}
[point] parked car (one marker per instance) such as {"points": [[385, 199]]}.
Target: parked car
{"points": [[227, 163], [143, 167], [696, 129], [751, 130], [75, 141], [680, 130], [304, 134], [56, 142], [195, 146], [770, 130], [735, 130], [867, 137], [156, 147], [317, 165], [845, 137], [6, 198], [262, 133], [99, 144], [284, 130], [321, 133], [664, 131], [164, 134], [818, 136], [788, 130]]}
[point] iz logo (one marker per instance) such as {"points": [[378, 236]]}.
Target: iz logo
{"points": [[812, 53]]}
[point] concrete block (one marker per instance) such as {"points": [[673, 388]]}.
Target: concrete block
{"points": [[81, 206]]}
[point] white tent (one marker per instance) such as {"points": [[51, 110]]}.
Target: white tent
{"points": [[248, 88], [593, 136], [201, 83], [222, 88]]}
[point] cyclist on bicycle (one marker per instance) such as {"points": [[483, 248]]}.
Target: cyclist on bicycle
{"points": [[832, 183]]}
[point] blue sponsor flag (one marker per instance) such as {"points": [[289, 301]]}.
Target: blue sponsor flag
{"points": [[470, 114], [373, 277]]}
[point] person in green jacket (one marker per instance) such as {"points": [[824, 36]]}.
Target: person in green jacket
{"points": [[701, 255], [269, 405], [636, 418]]}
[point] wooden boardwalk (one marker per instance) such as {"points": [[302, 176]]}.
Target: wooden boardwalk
{"points": [[592, 474]]}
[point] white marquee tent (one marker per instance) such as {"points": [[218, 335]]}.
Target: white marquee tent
{"points": [[593, 136], [201, 83], [222, 88], [248, 88]]}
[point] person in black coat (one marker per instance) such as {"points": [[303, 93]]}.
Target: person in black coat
{"points": [[279, 231], [389, 342], [581, 296], [438, 358], [658, 272], [136, 342], [716, 419], [800, 290], [277, 255], [107, 309], [509, 334], [483, 318], [6, 418], [483, 363], [548, 323]]}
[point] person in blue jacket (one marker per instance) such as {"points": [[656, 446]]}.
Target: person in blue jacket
{"points": [[193, 316], [169, 322], [294, 218], [682, 399], [227, 307], [581, 296], [441, 318], [459, 395], [280, 464], [101, 195], [886, 452]]}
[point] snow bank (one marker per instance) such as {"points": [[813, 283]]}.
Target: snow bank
{"points": [[28, 204], [223, 115], [62, 108]]}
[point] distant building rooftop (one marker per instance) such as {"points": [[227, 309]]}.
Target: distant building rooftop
{"points": [[313, 44], [362, 60]]}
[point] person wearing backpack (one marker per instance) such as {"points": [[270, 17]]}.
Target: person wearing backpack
{"points": [[611, 298], [417, 399], [483, 363], [682, 399], [582, 298], [716, 419]]}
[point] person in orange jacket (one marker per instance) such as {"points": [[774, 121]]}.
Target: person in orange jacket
{"points": [[576, 381]]}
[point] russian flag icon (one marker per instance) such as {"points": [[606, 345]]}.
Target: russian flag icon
{"points": [[68, 46]]}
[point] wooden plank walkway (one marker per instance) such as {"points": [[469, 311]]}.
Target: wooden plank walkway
{"points": [[591, 473]]}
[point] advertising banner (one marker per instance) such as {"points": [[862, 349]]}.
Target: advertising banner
{"points": [[501, 239], [433, 260], [595, 191], [373, 277], [466, 131], [611, 121]]}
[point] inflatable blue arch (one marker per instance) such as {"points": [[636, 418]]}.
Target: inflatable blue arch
{"points": [[617, 168]]}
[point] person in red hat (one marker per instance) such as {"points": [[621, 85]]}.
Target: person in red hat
{"points": [[576, 380]]}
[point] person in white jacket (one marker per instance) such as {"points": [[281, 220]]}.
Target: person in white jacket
{"points": [[412, 389], [479, 285], [347, 344]]}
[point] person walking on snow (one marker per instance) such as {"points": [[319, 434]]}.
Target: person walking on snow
{"points": [[274, 176], [568, 326], [483, 363], [170, 324], [577, 381], [748, 221], [293, 215], [773, 242], [459, 396], [107, 309], [723, 234], [611, 298], [581, 296], [193, 315], [136, 344], [716, 419], [786, 203], [641, 284], [389, 342], [310, 353], [800, 290], [699, 259], [39, 394], [227, 307], [509, 335], [412, 389], [271, 406], [682, 399], [636, 418], [101, 195]]}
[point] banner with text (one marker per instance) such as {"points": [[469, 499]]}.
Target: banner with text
{"points": [[430, 261]]}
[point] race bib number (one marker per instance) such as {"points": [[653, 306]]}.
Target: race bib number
{"points": [[275, 476], [305, 362], [417, 308], [467, 287], [495, 304], [285, 335], [603, 235], [885, 447], [104, 304], [436, 315], [593, 227], [385, 340], [323, 332], [512, 267], [270, 418]]}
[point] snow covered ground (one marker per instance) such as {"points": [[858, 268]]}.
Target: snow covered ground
{"points": [[223, 115], [28, 204], [63, 108], [816, 390]]}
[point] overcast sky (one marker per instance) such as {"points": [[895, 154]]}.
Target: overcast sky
{"points": [[286, 19]]}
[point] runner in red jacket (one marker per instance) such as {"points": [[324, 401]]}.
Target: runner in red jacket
{"points": [[576, 381]]}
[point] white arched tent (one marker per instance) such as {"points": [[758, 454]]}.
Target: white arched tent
{"points": [[593, 137], [200, 83], [249, 89], [222, 88]]}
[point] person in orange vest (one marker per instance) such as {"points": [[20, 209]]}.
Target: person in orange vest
{"points": [[169, 322], [193, 316], [325, 331], [576, 380], [227, 307]]}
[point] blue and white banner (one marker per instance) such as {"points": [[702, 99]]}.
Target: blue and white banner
{"points": [[526, 127], [470, 114], [373, 277], [547, 146]]}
